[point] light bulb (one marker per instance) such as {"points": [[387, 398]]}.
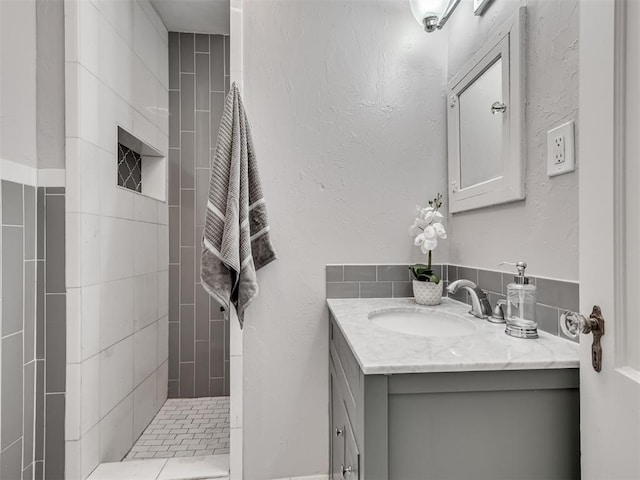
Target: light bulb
{"points": [[428, 12]]}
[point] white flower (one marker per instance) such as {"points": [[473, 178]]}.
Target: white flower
{"points": [[428, 227], [430, 214], [426, 210], [430, 232], [429, 244], [439, 229], [418, 226], [437, 217], [425, 243]]}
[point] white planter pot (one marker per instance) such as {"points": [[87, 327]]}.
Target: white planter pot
{"points": [[427, 293]]}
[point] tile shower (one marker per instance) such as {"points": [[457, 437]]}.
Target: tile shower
{"points": [[195, 419], [198, 331], [116, 238], [85, 268]]}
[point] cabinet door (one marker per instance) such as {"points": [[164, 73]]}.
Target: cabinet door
{"points": [[336, 434], [351, 467]]}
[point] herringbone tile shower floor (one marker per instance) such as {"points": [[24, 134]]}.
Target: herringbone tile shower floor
{"points": [[186, 427]]}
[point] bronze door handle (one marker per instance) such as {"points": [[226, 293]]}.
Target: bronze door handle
{"points": [[573, 324]]}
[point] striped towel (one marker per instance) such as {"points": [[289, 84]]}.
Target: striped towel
{"points": [[236, 240]]}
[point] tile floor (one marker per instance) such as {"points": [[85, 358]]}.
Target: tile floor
{"points": [[185, 427]]}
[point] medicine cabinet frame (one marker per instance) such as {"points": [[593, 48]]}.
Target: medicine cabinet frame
{"points": [[507, 45]]}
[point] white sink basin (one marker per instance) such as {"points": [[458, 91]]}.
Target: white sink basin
{"points": [[423, 322]]}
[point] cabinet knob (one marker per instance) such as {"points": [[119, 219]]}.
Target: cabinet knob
{"points": [[346, 471], [338, 432], [498, 107]]}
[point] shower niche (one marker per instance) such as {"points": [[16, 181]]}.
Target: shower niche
{"points": [[141, 167]]}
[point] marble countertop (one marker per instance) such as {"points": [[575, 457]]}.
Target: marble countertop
{"points": [[382, 351]]}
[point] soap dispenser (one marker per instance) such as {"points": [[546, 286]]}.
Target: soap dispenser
{"points": [[521, 305]]}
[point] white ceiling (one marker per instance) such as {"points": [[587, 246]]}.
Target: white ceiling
{"points": [[199, 16]]}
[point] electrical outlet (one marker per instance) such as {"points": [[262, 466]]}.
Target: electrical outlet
{"points": [[560, 150]]}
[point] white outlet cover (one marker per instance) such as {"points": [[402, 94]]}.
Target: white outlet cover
{"points": [[569, 165]]}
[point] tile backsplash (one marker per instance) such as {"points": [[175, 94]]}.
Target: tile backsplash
{"points": [[370, 281], [394, 281]]}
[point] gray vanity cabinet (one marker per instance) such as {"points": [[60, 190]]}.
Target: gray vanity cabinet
{"points": [[494, 425]]}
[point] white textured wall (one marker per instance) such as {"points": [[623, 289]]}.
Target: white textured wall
{"points": [[543, 229], [346, 101], [117, 241], [50, 83], [32, 84], [18, 81]]}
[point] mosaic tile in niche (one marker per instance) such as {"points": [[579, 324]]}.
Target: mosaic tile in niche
{"points": [[129, 169]]}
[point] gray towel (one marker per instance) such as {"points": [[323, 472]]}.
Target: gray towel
{"points": [[236, 236]]}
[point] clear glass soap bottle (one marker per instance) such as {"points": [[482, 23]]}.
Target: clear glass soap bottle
{"points": [[521, 305]]}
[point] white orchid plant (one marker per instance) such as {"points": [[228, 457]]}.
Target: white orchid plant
{"points": [[427, 229]]}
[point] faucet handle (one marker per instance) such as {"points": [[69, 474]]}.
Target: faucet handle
{"points": [[498, 315]]}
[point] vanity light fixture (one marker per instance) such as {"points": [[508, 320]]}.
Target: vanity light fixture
{"points": [[432, 14]]}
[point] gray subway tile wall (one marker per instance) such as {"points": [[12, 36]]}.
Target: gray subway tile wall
{"points": [[53, 332], [202, 82], [376, 290], [55, 350], [12, 278], [12, 203], [186, 49], [187, 102], [12, 390], [40, 341], [202, 43], [393, 273], [491, 281], [335, 273], [28, 413], [29, 310], [402, 289], [187, 159], [360, 273], [29, 203], [198, 331], [387, 281], [33, 226], [203, 137], [10, 461], [54, 437], [40, 417]]}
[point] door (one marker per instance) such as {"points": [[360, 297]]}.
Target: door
{"points": [[609, 169]]}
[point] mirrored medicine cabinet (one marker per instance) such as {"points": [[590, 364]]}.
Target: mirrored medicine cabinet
{"points": [[485, 119]]}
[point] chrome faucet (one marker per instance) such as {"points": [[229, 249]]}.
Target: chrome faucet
{"points": [[480, 306]]}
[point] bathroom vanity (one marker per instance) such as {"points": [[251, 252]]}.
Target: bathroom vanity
{"points": [[462, 403]]}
